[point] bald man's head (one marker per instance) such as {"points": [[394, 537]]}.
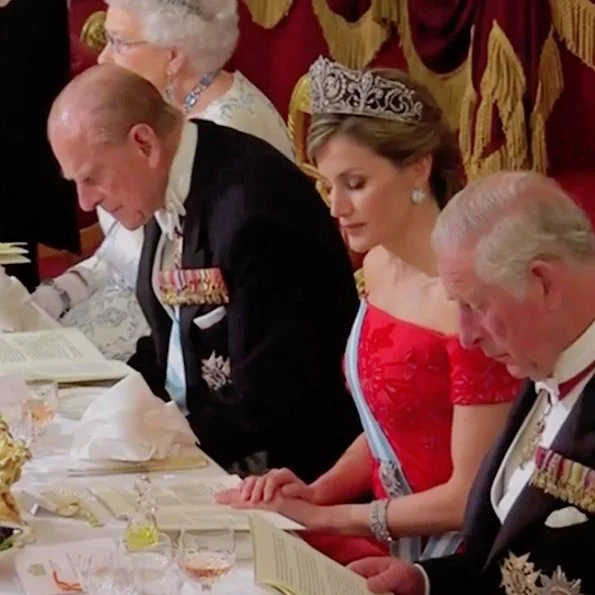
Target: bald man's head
{"points": [[106, 101], [115, 137]]}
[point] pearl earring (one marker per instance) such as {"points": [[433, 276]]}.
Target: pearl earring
{"points": [[417, 196]]}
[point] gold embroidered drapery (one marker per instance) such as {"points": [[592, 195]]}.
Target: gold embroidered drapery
{"points": [[574, 21], [353, 44], [268, 13]]}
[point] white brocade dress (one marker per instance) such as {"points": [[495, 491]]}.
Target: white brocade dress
{"points": [[110, 315]]}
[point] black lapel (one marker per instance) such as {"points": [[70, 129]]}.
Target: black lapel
{"points": [[575, 441], [481, 522], [156, 316], [195, 254]]}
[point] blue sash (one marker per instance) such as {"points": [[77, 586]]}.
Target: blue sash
{"points": [[175, 376], [407, 548]]}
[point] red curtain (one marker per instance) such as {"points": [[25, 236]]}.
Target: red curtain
{"points": [[274, 59]]}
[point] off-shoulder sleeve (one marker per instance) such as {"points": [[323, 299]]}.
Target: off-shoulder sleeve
{"points": [[478, 380]]}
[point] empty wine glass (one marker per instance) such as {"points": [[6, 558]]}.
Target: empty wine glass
{"points": [[205, 557], [153, 565], [106, 572]]}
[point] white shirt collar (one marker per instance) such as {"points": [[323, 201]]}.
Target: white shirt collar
{"points": [[178, 186], [576, 358]]}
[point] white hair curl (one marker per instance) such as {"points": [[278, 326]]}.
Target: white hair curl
{"points": [[510, 219], [206, 31]]}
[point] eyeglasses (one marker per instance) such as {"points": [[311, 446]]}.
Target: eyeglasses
{"points": [[121, 45]]}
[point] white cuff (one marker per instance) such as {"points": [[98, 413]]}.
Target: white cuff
{"points": [[48, 298], [425, 577], [74, 286]]}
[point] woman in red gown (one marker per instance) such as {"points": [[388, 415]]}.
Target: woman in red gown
{"points": [[429, 408]]}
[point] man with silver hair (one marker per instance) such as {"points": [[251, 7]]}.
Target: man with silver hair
{"points": [[518, 256]]}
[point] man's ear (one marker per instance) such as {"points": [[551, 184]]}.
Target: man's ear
{"points": [[545, 276], [146, 142]]}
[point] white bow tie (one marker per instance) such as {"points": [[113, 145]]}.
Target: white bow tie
{"points": [[170, 218], [549, 385]]}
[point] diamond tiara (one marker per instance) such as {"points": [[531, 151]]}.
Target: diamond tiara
{"points": [[335, 89]]}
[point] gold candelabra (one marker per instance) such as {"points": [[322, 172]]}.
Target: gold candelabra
{"points": [[13, 455]]}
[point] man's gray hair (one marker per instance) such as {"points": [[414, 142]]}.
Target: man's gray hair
{"points": [[510, 219], [206, 31]]}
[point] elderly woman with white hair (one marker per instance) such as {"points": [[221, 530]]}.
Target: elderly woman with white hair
{"points": [[181, 46]]}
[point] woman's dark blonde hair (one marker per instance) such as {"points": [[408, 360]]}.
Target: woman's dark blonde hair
{"points": [[403, 143]]}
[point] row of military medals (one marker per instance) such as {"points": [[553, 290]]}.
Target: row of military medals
{"points": [[191, 287]]}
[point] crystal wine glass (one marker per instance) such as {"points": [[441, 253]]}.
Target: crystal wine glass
{"points": [[141, 527], [42, 403], [206, 557], [153, 566], [106, 572]]}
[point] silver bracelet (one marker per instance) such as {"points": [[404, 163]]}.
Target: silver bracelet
{"points": [[379, 521]]}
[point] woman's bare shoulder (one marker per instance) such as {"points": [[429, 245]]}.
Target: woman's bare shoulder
{"points": [[442, 312]]}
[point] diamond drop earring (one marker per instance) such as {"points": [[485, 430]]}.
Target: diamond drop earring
{"points": [[417, 196], [169, 87]]}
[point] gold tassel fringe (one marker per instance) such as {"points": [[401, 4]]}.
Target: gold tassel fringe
{"points": [[574, 21], [549, 89], [352, 44], [385, 11], [467, 117], [448, 89], [467, 114], [297, 124], [268, 13], [502, 85]]}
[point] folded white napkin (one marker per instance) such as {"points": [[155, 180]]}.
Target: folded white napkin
{"points": [[129, 423]]}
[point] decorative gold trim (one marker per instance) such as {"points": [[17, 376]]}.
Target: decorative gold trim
{"points": [[385, 11], [574, 21], [549, 89], [268, 13], [360, 282], [467, 114], [449, 88], [297, 117], [93, 32], [502, 85], [519, 576], [351, 44]]}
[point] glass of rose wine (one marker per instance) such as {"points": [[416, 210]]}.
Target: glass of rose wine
{"points": [[40, 404], [205, 557]]}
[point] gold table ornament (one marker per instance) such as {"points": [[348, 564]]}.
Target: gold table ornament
{"points": [[13, 455]]}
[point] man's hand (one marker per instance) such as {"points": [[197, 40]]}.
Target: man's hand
{"points": [[390, 575]]}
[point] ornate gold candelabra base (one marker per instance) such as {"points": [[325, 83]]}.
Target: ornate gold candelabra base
{"points": [[13, 455]]}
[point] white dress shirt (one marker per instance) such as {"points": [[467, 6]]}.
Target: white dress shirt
{"points": [[170, 220], [511, 478]]}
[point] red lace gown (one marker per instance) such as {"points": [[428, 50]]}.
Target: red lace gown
{"points": [[412, 377]]}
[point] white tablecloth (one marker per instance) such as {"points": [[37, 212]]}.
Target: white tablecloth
{"points": [[48, 529]]}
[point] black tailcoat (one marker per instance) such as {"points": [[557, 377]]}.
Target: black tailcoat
{"points": [[253, 214], [490, 545], [37, 204]]}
